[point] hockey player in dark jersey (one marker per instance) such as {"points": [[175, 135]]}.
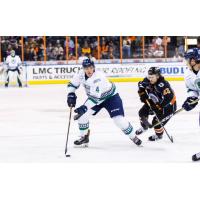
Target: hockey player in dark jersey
{"points": [[159, 99]]}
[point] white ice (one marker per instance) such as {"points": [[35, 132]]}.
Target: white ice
{"points": [[33, 128]]}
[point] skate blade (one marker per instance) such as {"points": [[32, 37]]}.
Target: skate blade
{"points": [[86, 145]]}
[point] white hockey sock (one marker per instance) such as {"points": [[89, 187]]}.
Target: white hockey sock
{"points": [[83, 123], [124, 125]]}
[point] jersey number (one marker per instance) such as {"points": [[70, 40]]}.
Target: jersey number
{"points": [[166, 91]]}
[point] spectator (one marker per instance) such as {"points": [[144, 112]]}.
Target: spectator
{"points": [[79, 50], [95, 52], [104, 50], [138, 47], [33, 53], [71, 57], [171, 46], [126, 47], [71, 46], [59, 51], [86, 48], [132, 40], [49, 51], [111, 53], [179, 49], [41, 52], [158, 42], [9, 49], [17, 49], [155, 49]]}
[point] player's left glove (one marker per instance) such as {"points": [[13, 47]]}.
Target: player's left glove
{"points": [[189, 103], [81, 110], [71, 99]]}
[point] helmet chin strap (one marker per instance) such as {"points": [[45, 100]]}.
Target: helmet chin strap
{"points": [[195, 70]]}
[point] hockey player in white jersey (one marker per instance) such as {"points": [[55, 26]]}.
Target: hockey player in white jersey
{"points": [[13, 65], [192, 81], [101, 94]]}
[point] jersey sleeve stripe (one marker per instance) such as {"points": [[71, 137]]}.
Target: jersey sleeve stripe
{"points": [[71, 85]]}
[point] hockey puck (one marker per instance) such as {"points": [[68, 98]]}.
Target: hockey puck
{"points": [[67, 155]]}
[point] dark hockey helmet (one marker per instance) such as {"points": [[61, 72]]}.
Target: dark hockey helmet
{"points": [[87, 63], [193, 54], [197, 60], [154, 71], [197, 55]]}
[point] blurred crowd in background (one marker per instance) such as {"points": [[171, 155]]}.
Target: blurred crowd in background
{"points": [[110, 47]]}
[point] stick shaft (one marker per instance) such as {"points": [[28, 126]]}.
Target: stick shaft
{"points": [[69, 123], [159, 121], [175, 113]]}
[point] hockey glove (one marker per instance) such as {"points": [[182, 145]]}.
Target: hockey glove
{"points": [[189, 103], [71, 99], [143, 96], [142, 85], [157, 108], [81, 110]]}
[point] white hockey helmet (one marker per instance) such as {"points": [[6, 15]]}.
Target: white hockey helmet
{"points": [[12, 53]]}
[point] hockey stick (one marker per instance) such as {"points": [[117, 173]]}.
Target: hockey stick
{"points": [[170, 137], [69, 123], [175, 113]]}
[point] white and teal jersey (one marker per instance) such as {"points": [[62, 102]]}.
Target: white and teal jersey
{"points": [[98, 88], [192, 82], [13, 62]]}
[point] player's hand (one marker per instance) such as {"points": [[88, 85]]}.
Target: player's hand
{"points": [[143, 96], [189, 103], [71, 99], [81, 110], [156, 107], [142, 85]]}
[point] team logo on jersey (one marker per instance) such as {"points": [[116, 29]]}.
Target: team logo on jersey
{"points": [[161, 84], [13, 61]]}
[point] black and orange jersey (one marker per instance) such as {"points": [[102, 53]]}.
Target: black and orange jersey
{"points": [[161, 91]]}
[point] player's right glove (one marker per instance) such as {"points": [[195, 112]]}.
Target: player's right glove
{"points": [[71, 99], [143, 96], [142, 91], [142, 85], [81, 110], [189, 103]]}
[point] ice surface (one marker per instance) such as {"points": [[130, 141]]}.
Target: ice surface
{"points": [[33, 128]]}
